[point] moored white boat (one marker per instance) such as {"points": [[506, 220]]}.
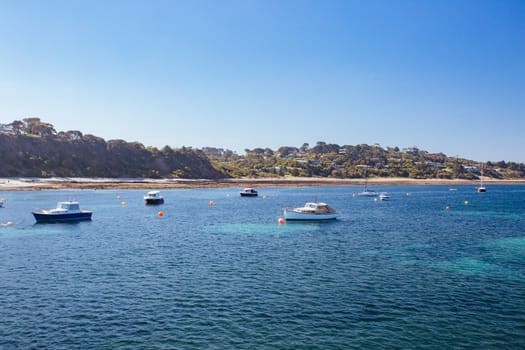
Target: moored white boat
{"points": [[153, 197], [481, 188], [367, 193], [249, 192], [383, 196], [65, 211], [310, 211]]}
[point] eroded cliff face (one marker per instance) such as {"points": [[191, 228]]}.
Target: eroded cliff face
{"points": [[91, 156]]}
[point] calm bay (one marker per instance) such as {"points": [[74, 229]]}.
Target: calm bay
{"points": [[404, 273]]}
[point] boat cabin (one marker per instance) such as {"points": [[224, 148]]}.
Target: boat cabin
{"points": [[316, 208]]}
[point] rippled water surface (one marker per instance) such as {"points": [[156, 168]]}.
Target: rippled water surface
{"points": [[404, 273]]}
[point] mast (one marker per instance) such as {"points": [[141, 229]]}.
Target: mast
{"points": [[481, 177], [366, 179]]}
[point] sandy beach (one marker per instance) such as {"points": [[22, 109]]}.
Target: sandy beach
{"points": [[27, 184]]}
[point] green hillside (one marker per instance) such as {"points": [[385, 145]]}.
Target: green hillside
{"points": [[33, 148]]}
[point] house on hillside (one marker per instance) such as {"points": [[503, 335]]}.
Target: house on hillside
{"points": [[6, 129]]}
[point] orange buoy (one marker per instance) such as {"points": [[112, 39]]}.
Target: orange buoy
{"points": [[160, 214], [281, 221]]}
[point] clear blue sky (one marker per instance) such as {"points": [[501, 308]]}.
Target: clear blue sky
{"points": [[446, 75]]}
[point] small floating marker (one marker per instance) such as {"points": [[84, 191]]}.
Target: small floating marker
{"points": [[280, 221], [264, 197], [123, 204], [353, 194], [160, 214], [228, 195], [466, 202], [408, 193], [118, 197], [211, 203], [447, 207]]}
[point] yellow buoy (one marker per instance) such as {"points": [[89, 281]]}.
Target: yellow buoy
{"points": [[211, 203], [123, 204]]}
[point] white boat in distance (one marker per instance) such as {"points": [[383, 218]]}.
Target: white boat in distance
{"points": [[481, 188], [249, 192], [383, 196], [153, 197], [366, 192], [311, 211]]}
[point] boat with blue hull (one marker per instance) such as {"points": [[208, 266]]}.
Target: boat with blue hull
{"points": [[64, 212]]}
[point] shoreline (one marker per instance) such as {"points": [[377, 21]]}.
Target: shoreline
{"points": [[36, 184]]}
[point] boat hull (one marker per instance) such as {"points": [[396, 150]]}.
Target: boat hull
{"points": [[291, 215], [67, 217], [368, 194], [248, 194], [154, 201]]}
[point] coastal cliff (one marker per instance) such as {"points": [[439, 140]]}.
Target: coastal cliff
{"points": [[76, 155]]}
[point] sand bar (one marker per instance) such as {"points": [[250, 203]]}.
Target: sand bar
{"points": [[27, 184]]}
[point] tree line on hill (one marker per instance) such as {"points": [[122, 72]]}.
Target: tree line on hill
{"points": [[358, 161], [33, 148]]}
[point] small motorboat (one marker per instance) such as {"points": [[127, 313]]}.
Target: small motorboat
{"points": [[249, 192], [383, 196], [2, 202], [153, 197], [65, 211], [310, 211]]}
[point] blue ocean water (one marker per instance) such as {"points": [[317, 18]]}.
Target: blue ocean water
{"points": [[398, 274]]}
